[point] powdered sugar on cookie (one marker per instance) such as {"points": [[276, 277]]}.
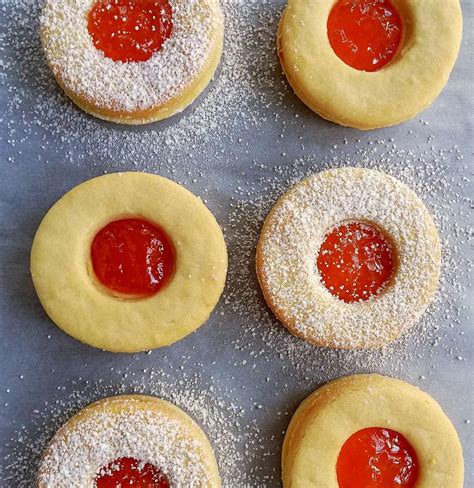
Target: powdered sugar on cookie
{"points": [[129, 86], [294, 231], [121, 427]]}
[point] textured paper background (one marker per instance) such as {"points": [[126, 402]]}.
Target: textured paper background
{"points": [[47, 147]]}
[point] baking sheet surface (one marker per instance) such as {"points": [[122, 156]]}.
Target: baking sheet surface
{"points": [[242, 144]]}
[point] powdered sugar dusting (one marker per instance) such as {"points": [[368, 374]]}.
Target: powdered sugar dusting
{"points": [[131, 86], [294, 232], [148, 434]]}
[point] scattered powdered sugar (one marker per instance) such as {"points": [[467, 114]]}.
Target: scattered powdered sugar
{"points": [[41, 110], [86, 71], [426, 169], [102, 441]]}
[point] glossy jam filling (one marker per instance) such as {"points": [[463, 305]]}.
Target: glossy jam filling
{"points": [[379, 458], [129, 472], [355, 261], [132, 257], [130, 30], [365, 34]]}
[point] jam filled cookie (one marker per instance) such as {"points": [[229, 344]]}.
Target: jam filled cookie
{"points": [[371, 431], [349, 258], [132, 61], [130, 440], [369, 63], [129, 262]]}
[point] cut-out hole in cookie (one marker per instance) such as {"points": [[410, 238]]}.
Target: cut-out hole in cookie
{"points": [[133, 257], [130, 472], [379, 458], [130, 30], [365, 34], [356, 261]]}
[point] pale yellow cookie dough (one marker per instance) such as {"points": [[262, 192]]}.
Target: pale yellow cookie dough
{"points": [[330, 415], [368, 100], [134, 92], [141, 427], [79, 305]]}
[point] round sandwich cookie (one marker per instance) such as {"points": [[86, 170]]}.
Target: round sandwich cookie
{"points": [[369, 63], [133, 440], [369, 431], [129, 262], [349, 258], [132, 61]]}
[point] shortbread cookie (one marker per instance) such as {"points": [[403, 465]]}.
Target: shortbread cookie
{"points": [[349, 258], [132, 61], [129, 262], [371, 431], [129, 440], [369, 63]]}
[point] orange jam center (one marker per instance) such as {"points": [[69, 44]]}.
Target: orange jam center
{"points": [[130, 30], [365, 34], [355, 261], [133, 257], [129, 472], [379, 458]]}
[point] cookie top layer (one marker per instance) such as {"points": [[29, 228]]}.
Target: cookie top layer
{"points": [[84, 70], [432, 32], [145, 428], [79, 303], [328, 417], [292, 236]]}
